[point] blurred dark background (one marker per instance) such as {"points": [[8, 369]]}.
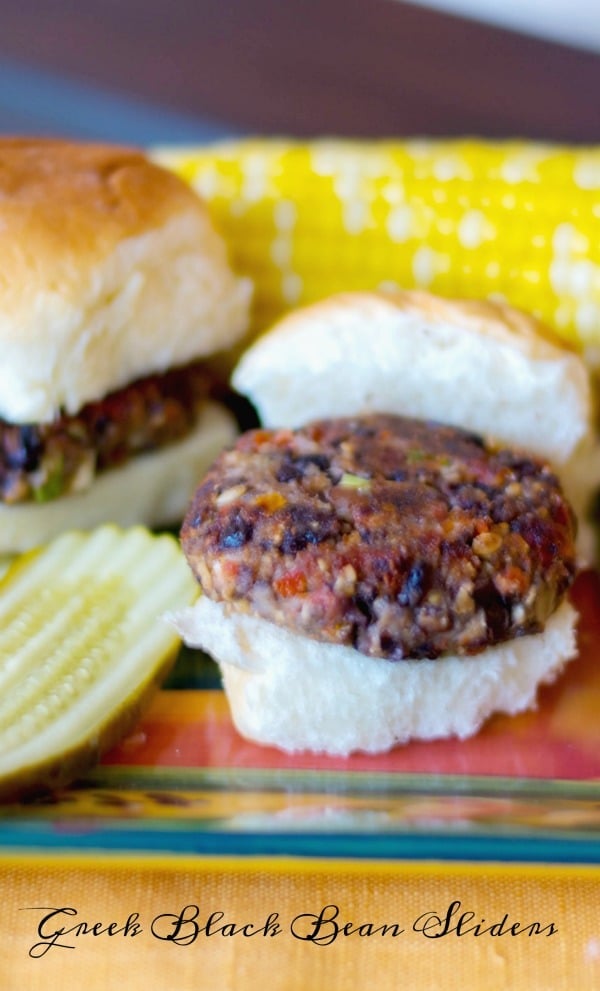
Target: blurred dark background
{"points": [[186, 70]]}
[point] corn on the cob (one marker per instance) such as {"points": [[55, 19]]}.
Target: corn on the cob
{"points": [[513, 220]]}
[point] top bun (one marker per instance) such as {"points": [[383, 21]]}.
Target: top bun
{"points": [[477, 365], [482, 366], [111, 270]]}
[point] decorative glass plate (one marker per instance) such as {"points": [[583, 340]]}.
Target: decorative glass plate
{"points": [[526, 788]]}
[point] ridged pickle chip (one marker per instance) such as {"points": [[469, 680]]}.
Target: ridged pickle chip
{"points": [[83, 646]]}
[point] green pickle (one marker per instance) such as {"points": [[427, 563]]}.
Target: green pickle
{"points": [[83, 645]]}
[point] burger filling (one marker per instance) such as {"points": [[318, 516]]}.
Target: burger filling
{"points": [[394, 536], [42, 461]]}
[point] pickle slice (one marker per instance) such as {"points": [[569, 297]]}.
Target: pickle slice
{"points": [[83, 645]]}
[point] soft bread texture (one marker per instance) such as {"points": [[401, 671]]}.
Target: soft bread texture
{"points": [[152, 488], [482, 366], [299, 694], [111, 270]]}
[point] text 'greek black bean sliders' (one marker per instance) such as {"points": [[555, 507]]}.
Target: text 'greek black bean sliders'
{"points": [[390, 557], [114, 288]]}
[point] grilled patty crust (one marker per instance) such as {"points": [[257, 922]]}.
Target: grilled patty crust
{"points": [[43, 461], [397, 537]]}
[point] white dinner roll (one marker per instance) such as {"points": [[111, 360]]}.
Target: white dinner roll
{"points": [[111, 270], [481, 366], [298, 693]]}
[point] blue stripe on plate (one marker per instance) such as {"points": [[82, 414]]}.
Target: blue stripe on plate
{"points": [[34, 101], [181, 836]]}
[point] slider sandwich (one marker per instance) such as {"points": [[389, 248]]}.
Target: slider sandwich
{"points": [[390, 556], [115, 291]]}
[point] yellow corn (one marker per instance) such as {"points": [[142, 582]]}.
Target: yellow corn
{"points": [[513, 220]]}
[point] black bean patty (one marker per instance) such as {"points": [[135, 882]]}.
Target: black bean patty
{"points": [[43, 461], [394, 536]]}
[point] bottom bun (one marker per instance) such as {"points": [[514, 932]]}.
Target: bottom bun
{"points": [[152, 489], [300, 694]]}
